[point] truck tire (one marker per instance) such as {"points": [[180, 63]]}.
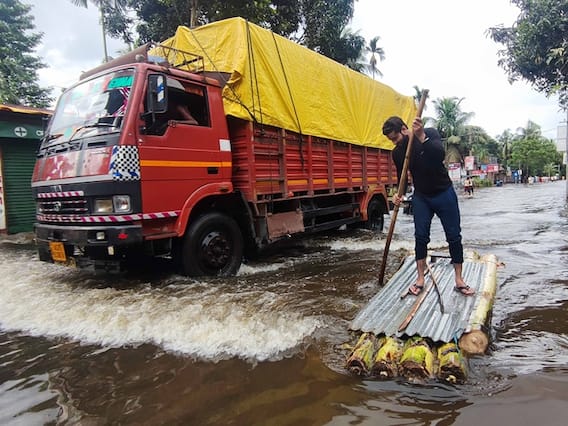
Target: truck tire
{"points": [[375, 221], [213, 246]]}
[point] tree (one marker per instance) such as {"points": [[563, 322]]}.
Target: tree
{"points": [[531, 131], [349, 50], [531, 152], [113, 14], [550, 169], [450, 118], [159, 19], [477, 142], [450, 121], [417, 96], [320, 25], [505, 140], [18, 63], [532, 155], [375, 50], [536, 46]]}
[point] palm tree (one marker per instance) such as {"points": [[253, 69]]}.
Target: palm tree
{"points": [[349, 49], [375, 51], [531, 131], [450, 118], [101, 5], [505, 139]]}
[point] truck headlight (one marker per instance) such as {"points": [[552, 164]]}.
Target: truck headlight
{"points": [[103, 205], [121, 203], [116, 204]]}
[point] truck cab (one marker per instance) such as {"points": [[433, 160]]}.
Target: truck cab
{"points": [[122, 165]]}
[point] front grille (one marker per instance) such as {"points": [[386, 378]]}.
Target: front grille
{"points": [[59, 205], [63, 206]]}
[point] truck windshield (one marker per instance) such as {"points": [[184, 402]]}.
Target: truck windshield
{"points": [[94, 107]]}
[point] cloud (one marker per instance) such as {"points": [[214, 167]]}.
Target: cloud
{"points": [[441, 45], [72, 40]]}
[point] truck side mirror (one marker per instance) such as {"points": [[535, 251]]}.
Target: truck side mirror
{"points": [[156, 95]]}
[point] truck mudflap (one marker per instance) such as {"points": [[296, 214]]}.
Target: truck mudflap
{"points": [[94, 247]]}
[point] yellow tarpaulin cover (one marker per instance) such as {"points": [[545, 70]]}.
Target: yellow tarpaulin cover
{"points": [[287, 85]]}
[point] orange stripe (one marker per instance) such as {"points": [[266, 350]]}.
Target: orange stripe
{"points": [[163, 163]]}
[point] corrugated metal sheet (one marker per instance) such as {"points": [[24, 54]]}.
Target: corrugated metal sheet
{"points": [[386, 311]]}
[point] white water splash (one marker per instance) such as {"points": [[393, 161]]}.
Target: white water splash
{"points": [[199, 320]]}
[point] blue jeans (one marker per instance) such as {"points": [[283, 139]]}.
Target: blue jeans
{"points": [[445, 206]]}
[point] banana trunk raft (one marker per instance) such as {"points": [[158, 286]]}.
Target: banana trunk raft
{"points": [[428, 336]]}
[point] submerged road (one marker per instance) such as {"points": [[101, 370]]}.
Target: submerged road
{"points": [[264, 347]]}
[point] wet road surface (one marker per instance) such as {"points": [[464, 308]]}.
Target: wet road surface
{"points": [[264, 348]]}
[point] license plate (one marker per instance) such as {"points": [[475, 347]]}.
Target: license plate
{"points": [[57, 251]]}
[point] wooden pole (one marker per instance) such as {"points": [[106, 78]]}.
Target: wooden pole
{"points": [[436, 288], [415, 307], [401, 187]]}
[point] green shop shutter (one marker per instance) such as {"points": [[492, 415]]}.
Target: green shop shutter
{"points": [[18, 165]]}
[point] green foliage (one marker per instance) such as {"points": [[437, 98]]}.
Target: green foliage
{"points": [[374, 50], [159, 19], [536, 46], [481, 183], [477, 142], [450, 118], [505, 141], [320, 25], [324, 22], [349, 50], [532, 152], [18, 63]]}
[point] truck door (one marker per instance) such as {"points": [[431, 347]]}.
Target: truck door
{"points": [[178, 149]]}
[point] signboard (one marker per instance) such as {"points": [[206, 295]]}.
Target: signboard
{"points": [[20, 131], [454, 170], [469, 162], [493, 168]]}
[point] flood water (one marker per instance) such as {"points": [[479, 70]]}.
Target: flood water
{"points": [[265, 347]]}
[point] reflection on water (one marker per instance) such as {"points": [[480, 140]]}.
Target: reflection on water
{"points": [[265, 347]]}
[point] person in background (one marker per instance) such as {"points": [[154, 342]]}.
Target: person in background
{"points": [[433, 194], [468, 186]]}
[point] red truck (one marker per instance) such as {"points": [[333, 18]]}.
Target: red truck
{"points": [[142, 158]]}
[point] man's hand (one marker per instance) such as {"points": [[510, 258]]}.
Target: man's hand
{"points": [[396, 200], [418, 129]]}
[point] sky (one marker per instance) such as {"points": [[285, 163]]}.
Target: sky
{"points": [[440, 45]]}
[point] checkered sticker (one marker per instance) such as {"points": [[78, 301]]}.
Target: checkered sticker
{"points": [[124, 163]]}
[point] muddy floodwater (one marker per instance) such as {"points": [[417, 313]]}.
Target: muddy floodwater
{"points": [[265, 347]]}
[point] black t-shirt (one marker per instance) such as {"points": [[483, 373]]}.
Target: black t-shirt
{"points": [[429, 175]]}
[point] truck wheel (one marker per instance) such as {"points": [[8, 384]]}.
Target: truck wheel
{"points": [[375, 219], [213, 245]]}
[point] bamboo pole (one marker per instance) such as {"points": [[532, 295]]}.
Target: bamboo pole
{"points": [[415, 307], [475, 340], [401, 187]]}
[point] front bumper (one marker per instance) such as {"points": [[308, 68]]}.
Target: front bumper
{"points": [[97, 247]]}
